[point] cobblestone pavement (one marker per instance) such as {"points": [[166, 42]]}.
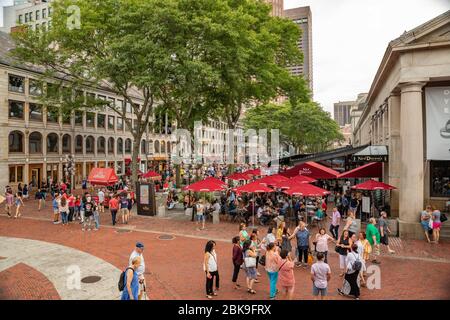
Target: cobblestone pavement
{"points": [[417, 271]]}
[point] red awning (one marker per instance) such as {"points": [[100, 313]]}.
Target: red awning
{"points": [[102, 176], [311, 169], [369, 170], [254, 172], [152, 175], [373, 185]]}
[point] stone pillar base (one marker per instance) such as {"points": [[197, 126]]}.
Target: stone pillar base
{"points": [[411, 230]]}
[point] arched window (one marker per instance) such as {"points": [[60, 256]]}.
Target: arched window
{"points": [[101, 145], [15, 141], [143, 147], [156, 146], [128, 146], [111, 146], [52, 143], [66, 144], [90, 144], [163, 147], [79, 144], [150, 147], [120, 146], [168, 147], [35, 142]]}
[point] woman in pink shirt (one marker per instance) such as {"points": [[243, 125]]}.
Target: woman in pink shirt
{"points": [[272, 261], [286, 279]]}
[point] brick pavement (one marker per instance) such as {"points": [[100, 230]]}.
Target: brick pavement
{"points": [[174, 268], [30, 285]]}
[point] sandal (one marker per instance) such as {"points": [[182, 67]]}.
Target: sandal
{"points": [[209, 297], [252, 291]]}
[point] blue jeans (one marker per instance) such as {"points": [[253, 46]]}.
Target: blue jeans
{"points": [[64, 217], [273, 278], [97, 220]]}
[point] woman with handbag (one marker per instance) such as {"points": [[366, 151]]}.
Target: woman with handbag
{"points": [[351, 285], [272, 261], [211, 269], [286, 279], [249, 265], [343, 246]]}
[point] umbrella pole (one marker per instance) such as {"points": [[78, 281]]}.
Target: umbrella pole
{"points": [[253, 209]]}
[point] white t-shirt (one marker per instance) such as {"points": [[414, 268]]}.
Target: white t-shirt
{"points": [[212, 262], [200, 209], [320, 270], [101, 197], [351, 258], [141, 269]]}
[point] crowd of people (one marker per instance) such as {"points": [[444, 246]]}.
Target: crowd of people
{"points": [[68, 207], [278, 257]]}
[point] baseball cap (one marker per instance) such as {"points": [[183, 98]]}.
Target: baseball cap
{"points": [[139, 245]]}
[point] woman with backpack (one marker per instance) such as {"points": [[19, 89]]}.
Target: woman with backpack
{"points": [[131, 281], [353, 266]]}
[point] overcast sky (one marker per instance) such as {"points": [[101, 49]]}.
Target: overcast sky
{"points": [[350, 37]]}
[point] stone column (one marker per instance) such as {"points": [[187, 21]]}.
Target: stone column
{"points": [[394, 151], [411, 191]]}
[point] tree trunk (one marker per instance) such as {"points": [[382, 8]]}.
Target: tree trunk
{"points": [[134, 162], [178, 175]]}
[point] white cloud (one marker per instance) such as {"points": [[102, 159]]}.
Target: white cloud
{"points": [[350, 37]]}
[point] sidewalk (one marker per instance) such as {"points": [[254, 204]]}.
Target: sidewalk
{"points": [[177, 223]]}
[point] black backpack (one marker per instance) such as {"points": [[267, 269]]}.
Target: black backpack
{"points": [[122, 283], [357, 265]]}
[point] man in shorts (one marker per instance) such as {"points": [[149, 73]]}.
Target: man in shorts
{"points": [[201, 214], [383, 227], [320, 275], [139, 252], [101, 200], [123, 202]]}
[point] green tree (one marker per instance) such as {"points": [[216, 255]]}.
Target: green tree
{"points": [[305, 126], [120, 44]]}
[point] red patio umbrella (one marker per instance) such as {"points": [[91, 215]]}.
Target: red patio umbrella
{"points": [[205, 186], [293, 182], [151, 175], [303, 179], [215, 180], [272, 180], [306, 190], [311, 169], [254, 172], [373, 185], [239, 176], [253, 187]]}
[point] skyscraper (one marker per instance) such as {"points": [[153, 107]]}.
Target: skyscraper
{"points": [[342, 112], [277, 7], [303, 18]]}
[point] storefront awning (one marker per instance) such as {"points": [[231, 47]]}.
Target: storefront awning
{"points": [[372, 154], [369, 170], [102, 177]]}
